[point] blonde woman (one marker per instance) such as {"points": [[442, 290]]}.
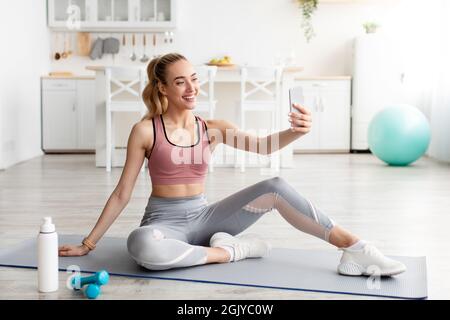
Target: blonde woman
{"points": [[179, 227]]}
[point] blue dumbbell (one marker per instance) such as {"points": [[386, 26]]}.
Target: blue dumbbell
{"points": [[99, 278], [92, 291]]}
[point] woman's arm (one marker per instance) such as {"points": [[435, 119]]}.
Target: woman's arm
{"points": [[222, 131], [119, 198]]}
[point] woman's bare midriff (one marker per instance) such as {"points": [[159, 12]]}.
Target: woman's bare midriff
{"points": [[177, 190]]}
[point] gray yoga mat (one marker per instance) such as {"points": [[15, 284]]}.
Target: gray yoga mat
{"points": [[291, 269]]}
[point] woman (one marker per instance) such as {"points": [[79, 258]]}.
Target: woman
{"points": [[179, 227]]}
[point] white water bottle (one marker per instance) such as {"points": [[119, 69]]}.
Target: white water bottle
{"points": [[47, 257]]}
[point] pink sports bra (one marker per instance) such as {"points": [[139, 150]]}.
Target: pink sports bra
{"points": [[169, 163]]}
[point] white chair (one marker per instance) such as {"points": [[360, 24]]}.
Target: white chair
{"points": [[266, 80], [206, 102], [122, 96]]}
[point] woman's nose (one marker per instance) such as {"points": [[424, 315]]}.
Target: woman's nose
{"points": [[190, 86]]}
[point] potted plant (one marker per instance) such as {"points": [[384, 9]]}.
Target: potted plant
{"points": [[308, 7], [370, 27]]}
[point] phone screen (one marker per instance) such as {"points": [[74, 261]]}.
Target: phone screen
{"points": [[295, 96]]}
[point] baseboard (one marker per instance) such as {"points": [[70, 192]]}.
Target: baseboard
{"points": [[297, 151]]}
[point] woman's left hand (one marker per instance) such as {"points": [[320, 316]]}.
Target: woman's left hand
{"points": [[301, 120]]}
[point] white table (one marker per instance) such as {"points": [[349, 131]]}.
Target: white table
{"points": [[224, 74]]}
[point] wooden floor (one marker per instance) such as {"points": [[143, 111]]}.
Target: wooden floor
{"points": [[404, 211]]}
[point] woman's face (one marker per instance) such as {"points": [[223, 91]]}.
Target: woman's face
{"points": [[182, 85]]}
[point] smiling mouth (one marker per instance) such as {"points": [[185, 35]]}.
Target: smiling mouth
{"points": [[190, 98]]}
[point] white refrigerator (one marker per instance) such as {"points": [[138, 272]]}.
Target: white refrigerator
{"points": [[377, 82]]}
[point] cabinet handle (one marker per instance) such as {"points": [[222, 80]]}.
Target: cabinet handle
{"points": [[136, 14], [322, 106], [74, 107], [88, 13], [316, 103], [319, 100]]}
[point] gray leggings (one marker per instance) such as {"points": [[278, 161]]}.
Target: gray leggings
{"points": [[175, 232]]}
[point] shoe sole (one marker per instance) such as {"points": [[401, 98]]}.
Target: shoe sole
{"points": [[354, 269]]}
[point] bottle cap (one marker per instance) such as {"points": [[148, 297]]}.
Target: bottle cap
{"points": [[47, 225]]}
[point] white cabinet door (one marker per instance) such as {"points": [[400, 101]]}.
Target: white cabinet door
{"points": [[86, 114], [155, 14], [59, 117], [112, 15], [70, 14], [335, 120], [68, 113], [310, 141], [329, 103]]}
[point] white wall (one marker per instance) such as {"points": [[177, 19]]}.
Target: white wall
{"points": [[257, 31], [24, 58], [250, 31]]}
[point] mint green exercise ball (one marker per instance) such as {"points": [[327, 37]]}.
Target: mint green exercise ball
{"points": [[399, 135]]}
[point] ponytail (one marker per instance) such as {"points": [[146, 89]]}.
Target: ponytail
{"points": [[155, 101]]}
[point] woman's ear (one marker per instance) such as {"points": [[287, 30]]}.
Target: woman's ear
{"points": [[162, 89]]}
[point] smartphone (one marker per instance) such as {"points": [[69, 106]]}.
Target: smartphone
{"points": [[295, 96]]}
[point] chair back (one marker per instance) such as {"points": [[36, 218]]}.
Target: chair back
{"points": [[255, 79], [124, 83]]}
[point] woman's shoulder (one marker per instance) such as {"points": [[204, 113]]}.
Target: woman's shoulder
{"points": [[144, 125], [144, 130]]}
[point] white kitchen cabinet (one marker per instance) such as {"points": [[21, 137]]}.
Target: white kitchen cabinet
{"points": [[330, 106], [86, 114], [112, 15], [68, 115], [68, 14]]}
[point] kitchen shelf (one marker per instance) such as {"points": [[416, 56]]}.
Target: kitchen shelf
{"points": [[112, 15]]}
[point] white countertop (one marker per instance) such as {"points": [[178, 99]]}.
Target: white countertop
{"points": [[288, 69], [233, 68], [323, 78], [71, 77]]}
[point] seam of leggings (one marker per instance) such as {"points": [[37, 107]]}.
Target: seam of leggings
{"points": [[313, 210], [252, 209], [174, 261], [256, 210], [327, 235], [327, 228]]}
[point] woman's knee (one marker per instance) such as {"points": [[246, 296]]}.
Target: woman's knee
{"points": [[275, 183], [146, 245], [151, 248]]}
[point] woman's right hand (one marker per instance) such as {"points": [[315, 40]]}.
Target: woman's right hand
{"points": [[73, 250]]}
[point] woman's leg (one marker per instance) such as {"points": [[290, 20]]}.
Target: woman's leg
{"points": [[238, 211], [160, 247]]}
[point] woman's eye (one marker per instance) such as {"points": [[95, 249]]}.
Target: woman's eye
{"points": [[195, 79], [178, 83]]}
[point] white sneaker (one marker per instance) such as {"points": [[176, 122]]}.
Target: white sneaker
{"points": [[368, 261], [244, 246]]}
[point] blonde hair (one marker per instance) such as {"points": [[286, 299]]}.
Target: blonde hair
{"points": [[155, 101]]}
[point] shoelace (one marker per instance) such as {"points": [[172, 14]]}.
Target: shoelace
{"points": [[373, 251], [366, 247], [369, 249]]}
